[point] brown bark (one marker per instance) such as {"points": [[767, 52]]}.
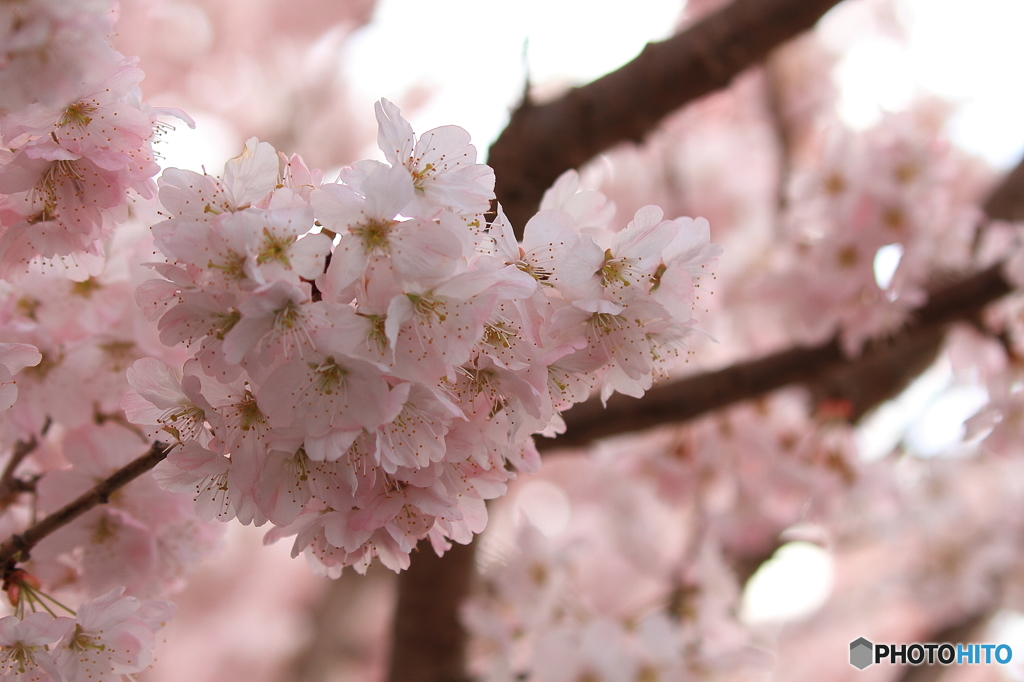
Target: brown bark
{"points": [[543, 141], [429, 642], [1007, 200], [337, 631]]}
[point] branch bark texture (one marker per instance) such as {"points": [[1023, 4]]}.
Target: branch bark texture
{"points": [[543, 141]]}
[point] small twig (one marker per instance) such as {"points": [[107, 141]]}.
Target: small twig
{"points": [[10, 487], [21, 451], [782, 127], [16, 548]]}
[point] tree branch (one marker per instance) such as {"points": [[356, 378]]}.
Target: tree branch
{"points": [[543, 141], [1006, 202], [11, 487], [428, 640], [697, 395], [337, 632], [17, 548], [865, 381]]}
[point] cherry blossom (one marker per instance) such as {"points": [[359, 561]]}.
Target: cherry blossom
{"points": [[113, 637], [362, 396], [14, 357], [23, 646]]}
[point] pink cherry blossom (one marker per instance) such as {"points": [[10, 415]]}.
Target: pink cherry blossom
{"points": [[442, 164], [23, 647], [113, 637], [14, 357]]}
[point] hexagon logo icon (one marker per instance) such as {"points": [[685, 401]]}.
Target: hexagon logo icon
{"points": [[861, 651]]}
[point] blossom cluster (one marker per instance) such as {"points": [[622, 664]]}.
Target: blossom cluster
{"points": [[890, 194], [73, 342], [362, 363], [50, 47], [66, 348], [634, 570], [78, 143], [109, 638], [77, 154], [371, 395]]}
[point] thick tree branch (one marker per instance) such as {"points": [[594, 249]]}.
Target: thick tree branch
{"points": [[543, 141], [861, 380], [17, 548], [697, 395], [428, 640], [1007, 200]]}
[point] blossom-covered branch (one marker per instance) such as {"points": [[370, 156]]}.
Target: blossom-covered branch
{"points": [[693, 396], [17, 547], [962, 300], [543, 141]]}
